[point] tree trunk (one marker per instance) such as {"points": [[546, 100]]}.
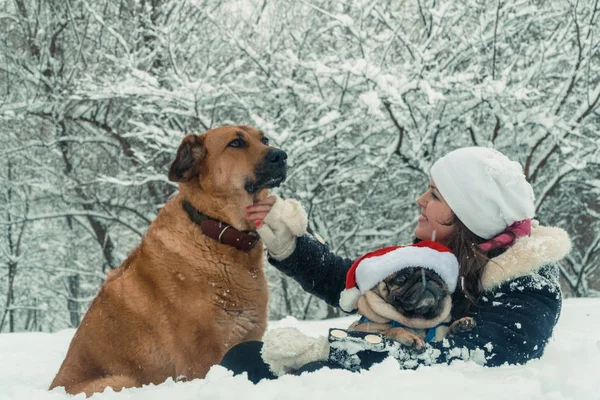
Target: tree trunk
{"points": [[72, 303]]}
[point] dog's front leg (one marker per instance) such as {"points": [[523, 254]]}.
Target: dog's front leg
{"points": [[369, 327], [405, 337], [464, 324]]}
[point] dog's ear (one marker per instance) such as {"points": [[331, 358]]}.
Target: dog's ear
{"points": [[189, 154]]}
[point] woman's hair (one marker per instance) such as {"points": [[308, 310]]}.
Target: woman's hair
{"points": [[464, 244]]}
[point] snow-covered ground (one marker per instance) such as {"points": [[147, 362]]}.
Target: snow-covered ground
{"points": [[568, 370]]}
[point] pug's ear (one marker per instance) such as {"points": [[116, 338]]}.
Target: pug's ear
{"points": [[189, 154]]}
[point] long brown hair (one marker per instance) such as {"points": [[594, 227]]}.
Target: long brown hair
{"points": [[464, 244]]}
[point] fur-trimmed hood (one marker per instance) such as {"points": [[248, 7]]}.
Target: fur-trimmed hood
{"points": [[545, 245]]}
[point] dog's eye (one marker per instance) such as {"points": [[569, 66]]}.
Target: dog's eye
{"points": [[236, 143], [265, 141], [401, 279]]}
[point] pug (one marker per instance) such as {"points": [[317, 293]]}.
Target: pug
{"points": [[402, 293], [405, 294], [411, 306]]}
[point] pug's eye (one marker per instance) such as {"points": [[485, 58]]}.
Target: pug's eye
{"points": [[265, 141], [401, 279], [236, 143]]}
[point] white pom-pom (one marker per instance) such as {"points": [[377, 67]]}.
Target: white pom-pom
{"points": [[349, 299]]}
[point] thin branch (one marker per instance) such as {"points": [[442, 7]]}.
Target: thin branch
{"points": [[73, 214], [495, 39], [496, 129], [529, 159], [577, 65]]}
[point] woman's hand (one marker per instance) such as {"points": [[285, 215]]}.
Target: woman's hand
{"points": [[259, 210], [278, 222], [286, 350]]}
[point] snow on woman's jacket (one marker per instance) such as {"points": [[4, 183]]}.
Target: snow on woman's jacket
{"points": [[515, 315]]}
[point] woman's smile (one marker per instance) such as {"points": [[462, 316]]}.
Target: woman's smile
{"points": [[434, 222]]}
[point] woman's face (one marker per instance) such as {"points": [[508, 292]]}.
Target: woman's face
{"points": [[435, 215]]}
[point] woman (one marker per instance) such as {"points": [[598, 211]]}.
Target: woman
{"points": [[481, 207]]}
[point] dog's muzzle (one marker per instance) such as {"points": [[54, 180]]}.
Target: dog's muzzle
{"points": [[270, 173], [421, 297]]}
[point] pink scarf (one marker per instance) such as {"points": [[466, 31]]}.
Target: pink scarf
{"points": [[505, 240]]}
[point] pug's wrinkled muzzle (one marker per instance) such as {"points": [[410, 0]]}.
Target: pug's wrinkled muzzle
{"points": [[422, 296]]}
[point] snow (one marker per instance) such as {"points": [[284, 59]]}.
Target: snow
{"points": [[30, 360], [372, 101], [329, 117]]}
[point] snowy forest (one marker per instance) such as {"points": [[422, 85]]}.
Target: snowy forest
{"points": [[363, 95]]}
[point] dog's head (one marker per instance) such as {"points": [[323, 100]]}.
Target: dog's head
{"points": [[414, 296], [228, 161]]}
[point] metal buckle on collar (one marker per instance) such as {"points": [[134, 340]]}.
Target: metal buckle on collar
{"points": [[255, 241], [222, 232]]}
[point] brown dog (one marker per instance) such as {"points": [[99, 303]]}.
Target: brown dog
{"points": [[182, 299], [406, 305]]}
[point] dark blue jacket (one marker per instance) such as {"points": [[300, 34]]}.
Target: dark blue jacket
{"points": [[514, 317]]}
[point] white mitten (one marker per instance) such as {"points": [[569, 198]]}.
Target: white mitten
{"points": [[288, 349], [286, 221]]}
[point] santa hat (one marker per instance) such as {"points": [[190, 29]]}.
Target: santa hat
{"points": [[373, 267]]}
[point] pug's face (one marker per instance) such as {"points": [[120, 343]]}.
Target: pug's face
{"points": [[415, 292]]}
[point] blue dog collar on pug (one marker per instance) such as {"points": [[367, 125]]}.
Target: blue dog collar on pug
{"points": [[428, 337]]}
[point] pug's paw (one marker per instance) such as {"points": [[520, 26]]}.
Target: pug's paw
{"points": [[465, 324], [405, 337]]}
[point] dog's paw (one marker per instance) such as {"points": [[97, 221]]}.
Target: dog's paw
{"points": [[462, 325], [405, 337]]}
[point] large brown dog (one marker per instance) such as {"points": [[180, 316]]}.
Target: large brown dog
{"points": [[182, 299]]}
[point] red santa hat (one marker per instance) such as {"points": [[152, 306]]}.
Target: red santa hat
{"points": [[373, 267]]}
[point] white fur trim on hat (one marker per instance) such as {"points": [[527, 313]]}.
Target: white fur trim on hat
{"points": [[485, 189], [373, 270], [349, 299]]}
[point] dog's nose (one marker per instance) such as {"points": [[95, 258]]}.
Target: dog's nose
{"points": [[417, 297], [276, 156]]}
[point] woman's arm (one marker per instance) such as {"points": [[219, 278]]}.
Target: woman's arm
{"points": [[282, 226], [316, 269], [514, 323]]}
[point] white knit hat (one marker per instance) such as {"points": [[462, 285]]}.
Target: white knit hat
{"points": [[373, 267], [487, 191]]}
